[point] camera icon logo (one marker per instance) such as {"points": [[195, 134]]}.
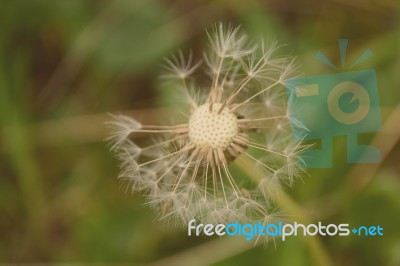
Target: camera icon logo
{"points": [[339, 104]]}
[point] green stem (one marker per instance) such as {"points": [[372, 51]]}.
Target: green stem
{"points": [[318, 252]]}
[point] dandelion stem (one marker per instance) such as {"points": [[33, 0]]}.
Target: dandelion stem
{"points": [[318, 252], [204, 254]]}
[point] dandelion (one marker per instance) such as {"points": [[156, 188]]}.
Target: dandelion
{"points": [[243, 112]]}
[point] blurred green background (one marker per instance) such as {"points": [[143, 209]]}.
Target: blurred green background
{"points": [[64, 64]]}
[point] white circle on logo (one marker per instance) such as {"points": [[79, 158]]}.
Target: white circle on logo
{"points": [[358, 92]]}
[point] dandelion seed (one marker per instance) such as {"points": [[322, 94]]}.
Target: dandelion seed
{"points": [[187, 172]]}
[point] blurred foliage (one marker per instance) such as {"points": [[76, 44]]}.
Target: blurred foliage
{"points": [[65, 63]]}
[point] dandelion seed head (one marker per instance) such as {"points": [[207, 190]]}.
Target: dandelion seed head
{"points": [[186, 173], [211, 128]]}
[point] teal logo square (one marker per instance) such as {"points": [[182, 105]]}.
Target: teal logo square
{"points": [[338, 104]]}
